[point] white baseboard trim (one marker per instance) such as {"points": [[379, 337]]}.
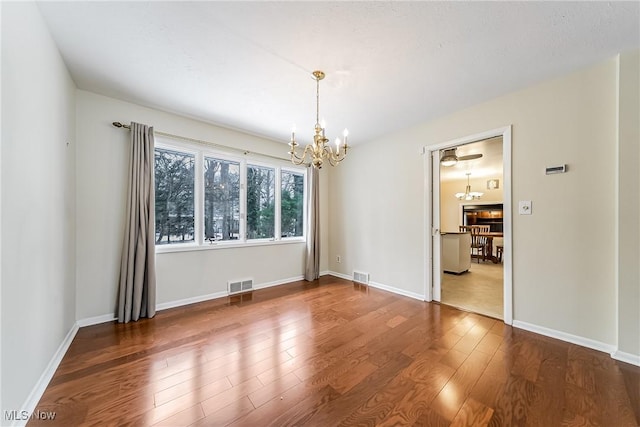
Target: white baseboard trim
{"points": [[279, 282], [325, 273], [340, 275], [96, 320], [41, 385], [382, 286], [564, 336], [186, 301], [396, 290], [192, 300], [630, 358]]}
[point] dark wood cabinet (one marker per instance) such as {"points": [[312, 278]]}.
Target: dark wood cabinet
{"points": [[490, 215]]}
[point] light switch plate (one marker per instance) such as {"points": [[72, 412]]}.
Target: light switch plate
{"points": [[524, 207]]}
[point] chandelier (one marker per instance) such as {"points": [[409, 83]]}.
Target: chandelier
{"points": [[468, 194], [320, 150]]}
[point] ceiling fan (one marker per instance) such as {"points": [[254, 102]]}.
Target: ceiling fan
{"points": [[450, 158]]}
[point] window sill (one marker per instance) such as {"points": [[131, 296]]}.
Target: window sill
{"points": [[189, 247]]}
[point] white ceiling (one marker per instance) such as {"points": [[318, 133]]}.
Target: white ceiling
{"points": [[389, 65], [487, 166]]}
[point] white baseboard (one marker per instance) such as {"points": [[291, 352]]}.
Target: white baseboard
{"points": [[382, 286], [192, 300], [186, 301], [41, 385], [325, 273], [96, 320], [278, 282], [632, 359], [396, 290], [564, 336], [340, 275]]}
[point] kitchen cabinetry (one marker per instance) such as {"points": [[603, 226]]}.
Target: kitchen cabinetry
{"points": [[490, 215]]}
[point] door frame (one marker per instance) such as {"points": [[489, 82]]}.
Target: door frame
{"points": [[432, 204]]}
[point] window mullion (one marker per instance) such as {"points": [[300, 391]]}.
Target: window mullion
{"points": [[199, 199], [277, 213], [243, 201]]}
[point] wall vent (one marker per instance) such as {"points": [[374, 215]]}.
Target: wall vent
{"points": [[361, 277], [240, 286]]}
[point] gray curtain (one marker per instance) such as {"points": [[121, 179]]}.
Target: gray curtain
{"points": [[312, 263], [137, 291]]}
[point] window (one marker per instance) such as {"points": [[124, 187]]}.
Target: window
{"points": [[221, 199], [261, 201], [209, 199], [291, 204], [174, 181]]}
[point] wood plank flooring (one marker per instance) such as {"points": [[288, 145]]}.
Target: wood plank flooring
{"points": [[331, 353]]}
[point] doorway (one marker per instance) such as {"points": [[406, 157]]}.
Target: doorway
{"points": [[452, 199]]}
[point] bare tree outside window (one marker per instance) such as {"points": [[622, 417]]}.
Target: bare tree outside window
{"points": [[174, 186], [221, 199], [260, 202], [292, 204]]}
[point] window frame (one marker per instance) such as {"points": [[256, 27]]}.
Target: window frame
{"points": [[202, 151]]}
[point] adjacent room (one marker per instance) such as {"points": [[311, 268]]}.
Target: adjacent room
{"points": [[472, 227], [319, 213]]}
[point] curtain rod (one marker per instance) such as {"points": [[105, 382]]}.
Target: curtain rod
{"points": [[200, 141]]}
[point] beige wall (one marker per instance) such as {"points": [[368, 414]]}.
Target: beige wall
{"points": [[564, 265], [38, 196], [629, 204], [102, 159], [451, 207]]}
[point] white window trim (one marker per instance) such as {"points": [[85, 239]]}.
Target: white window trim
{"points": [[199, 244], [302, 171]]}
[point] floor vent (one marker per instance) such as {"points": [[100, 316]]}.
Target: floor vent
{"points": [[240, 286], [361, 277]]}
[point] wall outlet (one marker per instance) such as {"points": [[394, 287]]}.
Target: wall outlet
{"points": [[338, 259]]}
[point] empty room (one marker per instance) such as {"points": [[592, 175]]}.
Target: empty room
{"points": [[383, 213]]}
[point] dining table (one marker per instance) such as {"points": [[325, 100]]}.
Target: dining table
{"points": [[489, 246]]}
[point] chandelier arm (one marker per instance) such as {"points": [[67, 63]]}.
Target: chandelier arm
{"points": [[295, 158], [334, 158]]}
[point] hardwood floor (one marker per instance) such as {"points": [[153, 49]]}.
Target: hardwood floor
{"points": [[331, 353]]}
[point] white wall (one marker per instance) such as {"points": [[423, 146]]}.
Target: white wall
{"points": [[102, 159], [563, 254], [38, 197], [629, 204]]}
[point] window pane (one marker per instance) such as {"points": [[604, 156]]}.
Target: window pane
{"points": [[174, 176], [221, 199], [291, 209], [260, 202]]}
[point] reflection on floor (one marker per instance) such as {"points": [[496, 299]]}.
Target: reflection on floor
{"points": [[479, 290]]}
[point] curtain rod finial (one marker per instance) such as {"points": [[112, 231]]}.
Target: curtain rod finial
{"points": [[117, 124]]}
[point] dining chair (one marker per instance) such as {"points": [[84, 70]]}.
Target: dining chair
{"points": [[483, 228], [478, 245]]}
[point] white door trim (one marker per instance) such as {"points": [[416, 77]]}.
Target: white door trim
{"points": [[432, 204]]}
